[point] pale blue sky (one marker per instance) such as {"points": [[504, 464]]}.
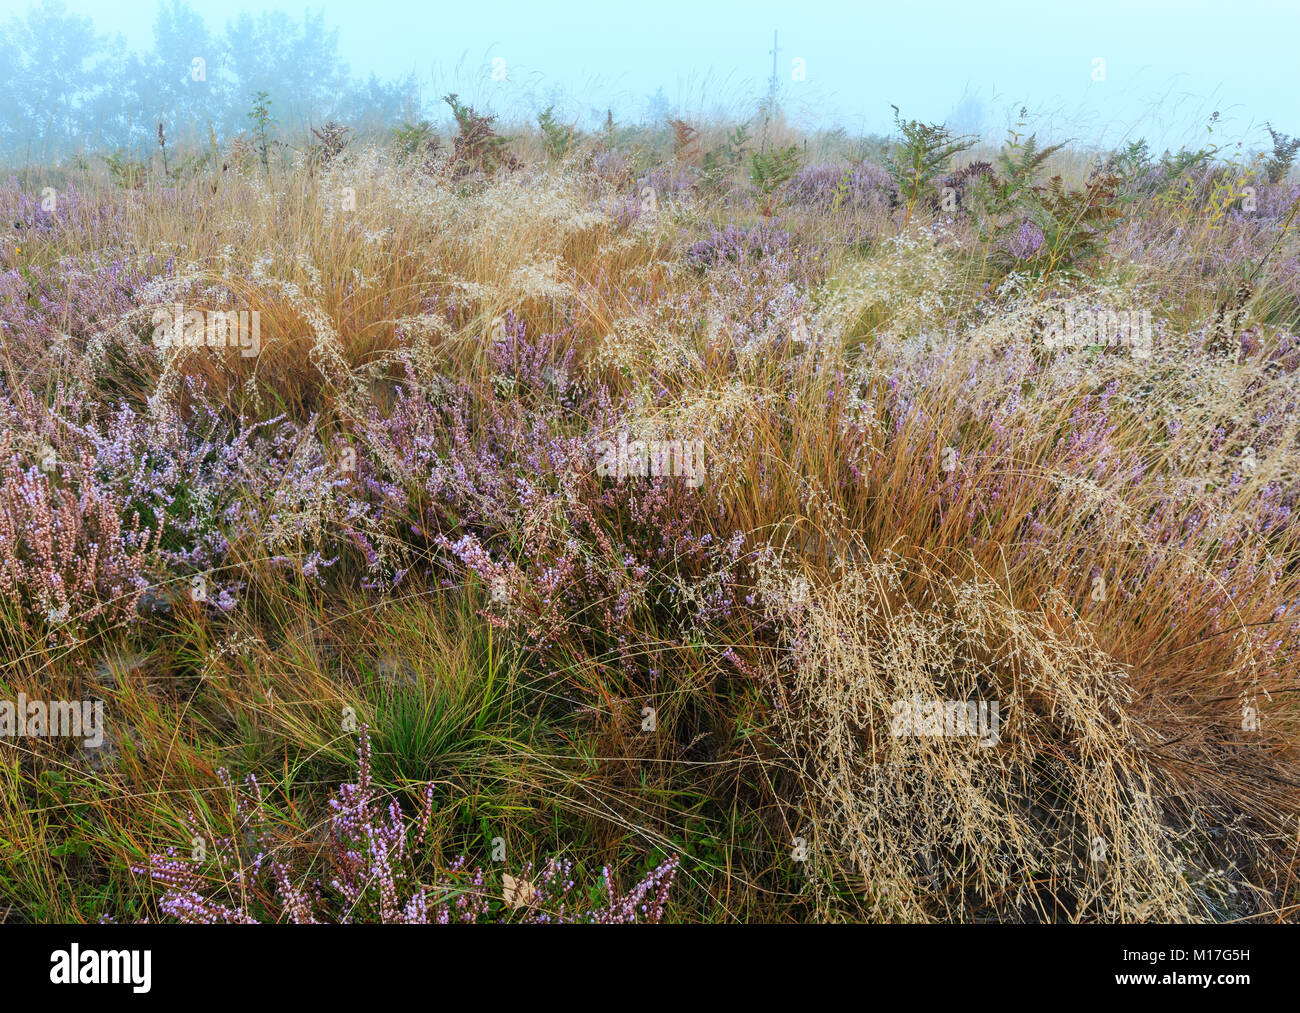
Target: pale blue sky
{"points": [[1167, 65]]}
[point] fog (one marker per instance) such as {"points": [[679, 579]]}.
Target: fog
{"points": [[94, 76]]}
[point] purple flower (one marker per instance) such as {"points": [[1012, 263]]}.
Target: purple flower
{"points": [[1026, 242]]}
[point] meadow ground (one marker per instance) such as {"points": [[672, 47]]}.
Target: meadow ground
{"points": [[698, 525]]}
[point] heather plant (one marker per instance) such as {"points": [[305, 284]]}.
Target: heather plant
{"points": [[669, 180], [69, 562], [371, 867], [833, 189], [736, 244]]}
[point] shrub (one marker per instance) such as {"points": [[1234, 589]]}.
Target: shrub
{"points": [[477, 147], [557, 138], [920, 158], [1283, 157], [769, 170]]}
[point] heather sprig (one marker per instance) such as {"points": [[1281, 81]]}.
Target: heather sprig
{"points": [[375, 869]]}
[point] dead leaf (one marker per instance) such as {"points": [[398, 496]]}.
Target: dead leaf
{"points": [[517, 892]]}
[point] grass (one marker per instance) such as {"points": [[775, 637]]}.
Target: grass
{"points": [[907, 496]]}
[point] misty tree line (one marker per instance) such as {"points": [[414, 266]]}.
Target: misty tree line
{"points": [[67, 90]]}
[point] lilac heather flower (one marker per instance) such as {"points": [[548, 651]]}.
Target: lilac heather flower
{"points": [[735, 244], [829, 187], [374, 855], [1026, 242]]}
